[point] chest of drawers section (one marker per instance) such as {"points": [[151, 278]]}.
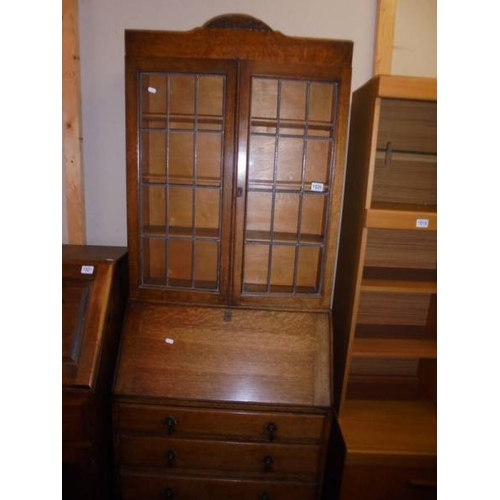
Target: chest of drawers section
{"points": [[196, 452]]}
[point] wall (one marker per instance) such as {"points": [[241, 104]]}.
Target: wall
{"points": [[102, 23], [415, 38]]}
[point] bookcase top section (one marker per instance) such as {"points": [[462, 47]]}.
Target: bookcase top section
{"points": [[225, 39]]}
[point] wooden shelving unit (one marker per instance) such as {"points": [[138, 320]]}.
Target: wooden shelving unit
{"points": [[385, 301]]}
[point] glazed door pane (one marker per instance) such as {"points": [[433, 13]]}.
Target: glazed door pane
{"points": [[288, 184], [185, 122]]}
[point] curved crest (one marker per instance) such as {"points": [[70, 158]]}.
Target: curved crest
{"points": [[237, 22]]}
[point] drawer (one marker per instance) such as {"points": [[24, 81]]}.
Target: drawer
{"points": [[222, 424], [388, 483], [75, 418], [269, 459], [151, 487], [409, 126]]}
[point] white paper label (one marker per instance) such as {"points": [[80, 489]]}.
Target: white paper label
{"points": [[317, 186], [87, 270], [151, 90], [422, 223]]}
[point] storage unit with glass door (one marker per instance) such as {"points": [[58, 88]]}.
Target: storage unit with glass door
{"points": [[236, 140]]}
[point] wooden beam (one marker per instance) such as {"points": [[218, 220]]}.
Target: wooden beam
{"points": [[384, 37], [71, 115]]}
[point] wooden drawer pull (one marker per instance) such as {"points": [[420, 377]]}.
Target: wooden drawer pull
{"points": [[171, 456], [170, 423], [268, 463], [169, 494], [422, 484], [271, 430]]}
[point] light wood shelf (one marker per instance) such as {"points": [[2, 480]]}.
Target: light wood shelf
{"points": [[199, 182], [394, 348], [390, 427], [402, 218], [280, 237], [181, 232], [283, 187], [398, 286], [297, 128], [179, 119]]}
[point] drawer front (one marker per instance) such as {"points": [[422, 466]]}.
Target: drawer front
{"points": [[75, 418], [273, 460], [408, 125], [220, 424], [148, 487]]}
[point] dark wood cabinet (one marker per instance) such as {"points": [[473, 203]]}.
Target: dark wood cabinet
{"points": [[236, 140], [94, 293]]}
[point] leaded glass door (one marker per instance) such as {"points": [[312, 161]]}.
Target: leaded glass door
{"points": [[289, 176], [185, 125]]}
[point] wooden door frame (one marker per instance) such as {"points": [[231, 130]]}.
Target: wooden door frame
{"points": [[71, 125], [384, 37]]}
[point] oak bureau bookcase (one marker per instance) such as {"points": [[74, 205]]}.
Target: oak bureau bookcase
{"points": [[236, 140]]}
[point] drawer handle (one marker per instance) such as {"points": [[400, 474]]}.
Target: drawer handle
{"points": [[170, 422], [271, 430], [422, 484], [268, 463], [169, 494], [171, 456], [388, 155], [264, 496]]}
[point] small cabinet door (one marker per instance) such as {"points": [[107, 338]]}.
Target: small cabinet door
{"points": [[180, 131]]}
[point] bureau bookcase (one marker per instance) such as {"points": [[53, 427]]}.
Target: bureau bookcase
{"points": [[385, 303], [236, 140], [94, 294]]}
